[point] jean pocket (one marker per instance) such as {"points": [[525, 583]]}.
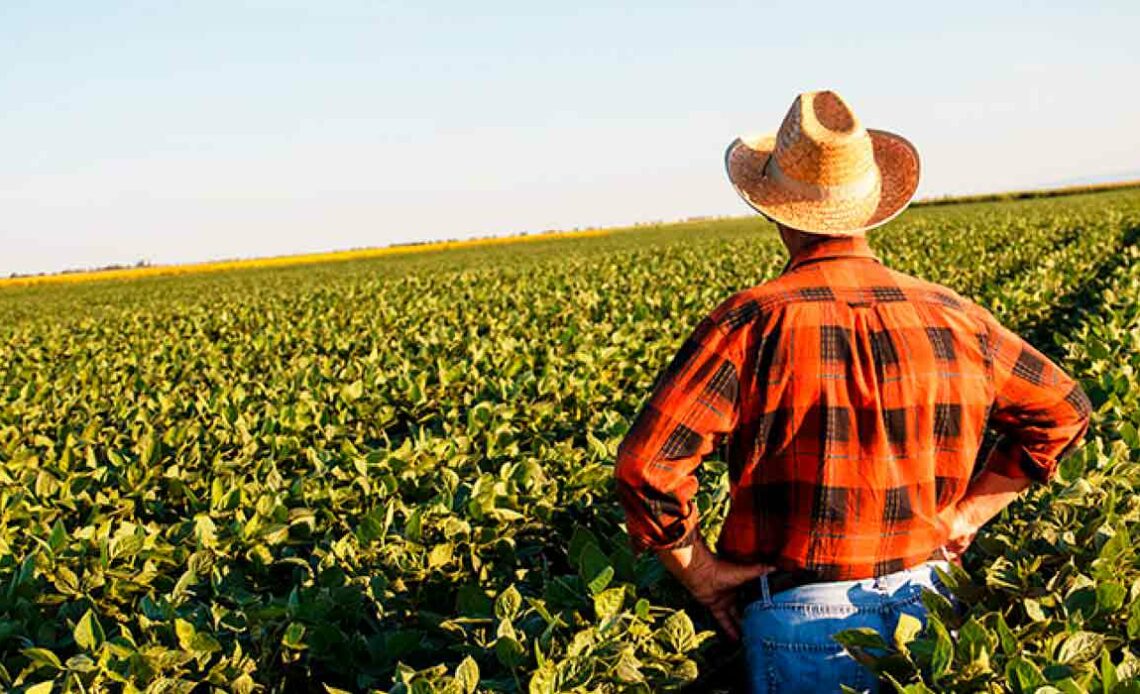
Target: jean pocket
{"points": [[792, 649], [797, 668]]}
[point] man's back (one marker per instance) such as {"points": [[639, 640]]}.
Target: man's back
{"points": [[855, 399]]}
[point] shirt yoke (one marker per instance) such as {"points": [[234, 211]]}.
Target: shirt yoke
{"points": [[859, 283]]}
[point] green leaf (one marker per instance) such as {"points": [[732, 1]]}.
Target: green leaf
{"points": [[509, 651], [187, 580], [294, 637], [1116, 546], [544, 680], [678, 633], [595, 569], [1072, 467], [471, 601], [88, 633], [42, 657], [600, 580], [1068, 686], [1023, 675], [1108, 676], [81, 663], [41, 688], [974, 644], [1082, 601], [440, 555], [942, 655], [58, 537], [628, 668], [185, 632], [908, 628], [597, 448], [352, 391], [917, 688], [205, 532], [508, 603], [413, 528], [937, 605], [1134, 620], [608, 603], [467, 674], [581, 538], [1097, 349], [422, 686], [1110, 596], [204, 643], [862, 637], [1130, 435]]}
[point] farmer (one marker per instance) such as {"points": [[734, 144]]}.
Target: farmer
{"points": [[853, 399]]}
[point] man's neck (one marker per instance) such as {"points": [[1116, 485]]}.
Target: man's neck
{"points": [[797, 241]]}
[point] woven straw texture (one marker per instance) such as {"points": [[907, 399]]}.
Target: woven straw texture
{"points": [[824, 172]]}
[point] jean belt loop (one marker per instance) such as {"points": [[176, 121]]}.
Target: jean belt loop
{"points": [[765, 594]]}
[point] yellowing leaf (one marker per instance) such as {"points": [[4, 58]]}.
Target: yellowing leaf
{"points": [[908, 628], [88, 633], [608, 603], [467, 674]]}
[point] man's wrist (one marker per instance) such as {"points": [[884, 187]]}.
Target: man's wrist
{"points": [[968, 515], [690, 563]]}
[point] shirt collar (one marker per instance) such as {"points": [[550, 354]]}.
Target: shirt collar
{"points": [[831, 247]]}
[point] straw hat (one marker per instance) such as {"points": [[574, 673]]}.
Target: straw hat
{"points": [[824, 172]]}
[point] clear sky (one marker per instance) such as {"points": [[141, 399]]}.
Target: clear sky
{"points": [[182, 131]]}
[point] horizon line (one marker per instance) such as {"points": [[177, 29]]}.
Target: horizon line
{"points": [[142, 270]]}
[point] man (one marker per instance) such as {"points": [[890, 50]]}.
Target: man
{"points": [[854, 399]]}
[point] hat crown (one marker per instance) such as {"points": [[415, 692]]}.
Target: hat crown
{"points": [[821, 142], [823, 172]]}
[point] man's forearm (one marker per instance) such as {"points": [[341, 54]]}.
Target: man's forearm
{"points": [[688, 563], [988, 494]]}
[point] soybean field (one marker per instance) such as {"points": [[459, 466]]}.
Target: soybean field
{"points": [[394, 474]]}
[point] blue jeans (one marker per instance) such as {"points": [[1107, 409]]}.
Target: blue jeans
{"points": [[787, 636]]}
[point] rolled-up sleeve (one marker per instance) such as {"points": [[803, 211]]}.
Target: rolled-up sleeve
{"points": [[694, 402], [1040, 412]]}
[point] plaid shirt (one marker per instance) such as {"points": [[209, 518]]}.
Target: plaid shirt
{"points": [[854, 400]]}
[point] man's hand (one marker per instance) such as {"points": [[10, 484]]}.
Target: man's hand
{"points": [[713, 582], [961, 532]]}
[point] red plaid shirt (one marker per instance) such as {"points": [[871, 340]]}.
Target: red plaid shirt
{"points": [[854, 400]]}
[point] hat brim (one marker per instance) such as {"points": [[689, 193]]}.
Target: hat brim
{"points": [[895, 157]]}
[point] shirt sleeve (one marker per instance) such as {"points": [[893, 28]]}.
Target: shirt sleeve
{"points": [[1040, 412], [694, 401]]}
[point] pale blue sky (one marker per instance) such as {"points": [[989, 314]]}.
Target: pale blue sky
{"points": [[182, 131]]}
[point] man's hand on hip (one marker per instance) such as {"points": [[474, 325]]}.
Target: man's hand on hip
{"points": [[960, 534], [712, 581]]}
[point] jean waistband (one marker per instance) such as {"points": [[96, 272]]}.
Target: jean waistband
{"points": [[779, 581]]}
